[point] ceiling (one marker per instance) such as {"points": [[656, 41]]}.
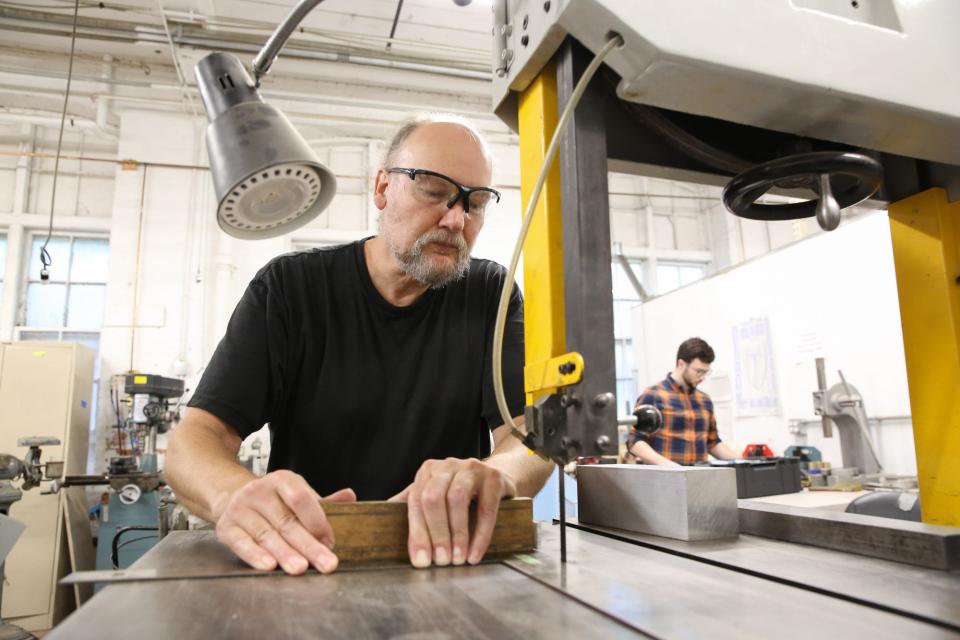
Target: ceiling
{"points": [[141, 54], [432, 31]]}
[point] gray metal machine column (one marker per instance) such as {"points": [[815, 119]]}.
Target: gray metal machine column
{"points": [[587, 259]]}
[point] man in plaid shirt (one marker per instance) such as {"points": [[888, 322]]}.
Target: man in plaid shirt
{"points": [[689, 425]]}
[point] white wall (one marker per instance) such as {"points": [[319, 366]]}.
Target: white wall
{"points": [[833, 295]]}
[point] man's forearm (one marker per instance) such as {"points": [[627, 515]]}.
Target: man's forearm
{"points": [[201, 465], [529, 471], [721, 451], [645, 453]]}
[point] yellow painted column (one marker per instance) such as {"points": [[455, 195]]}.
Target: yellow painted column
{"points": [[925, 229], [544, 328]]}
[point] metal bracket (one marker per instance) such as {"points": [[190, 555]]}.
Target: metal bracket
{"points": [[553, 374]]}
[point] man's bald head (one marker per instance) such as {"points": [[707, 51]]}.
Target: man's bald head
{"points": [[402, 135]]}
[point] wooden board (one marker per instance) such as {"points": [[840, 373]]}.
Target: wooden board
{"points": [[377, 531]]}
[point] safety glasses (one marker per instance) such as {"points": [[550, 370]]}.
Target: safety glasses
{"points": [[433, 189]]}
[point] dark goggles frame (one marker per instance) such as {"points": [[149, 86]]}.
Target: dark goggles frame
{"points": [[463, 191]]}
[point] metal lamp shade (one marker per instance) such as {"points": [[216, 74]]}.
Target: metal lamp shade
{"points": [[267, 179]]}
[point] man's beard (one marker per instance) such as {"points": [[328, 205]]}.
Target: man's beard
{"points": [[690, 383], [418, 266]]}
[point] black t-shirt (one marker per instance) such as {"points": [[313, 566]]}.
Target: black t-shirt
{"points": [[358, 392]]}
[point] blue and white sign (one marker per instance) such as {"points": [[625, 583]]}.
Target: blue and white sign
{"points": [[755, 376]]}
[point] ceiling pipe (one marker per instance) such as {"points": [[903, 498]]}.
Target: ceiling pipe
{"points": [[150, 36], [103, 105], [47, 121]]}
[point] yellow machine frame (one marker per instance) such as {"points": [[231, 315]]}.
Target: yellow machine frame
{"points": [[925, 229], [545, 327]]}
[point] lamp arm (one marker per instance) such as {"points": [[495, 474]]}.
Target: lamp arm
{"points": [[264, 59]]}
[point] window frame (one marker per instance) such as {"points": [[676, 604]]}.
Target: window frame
{"points": [[680, 264], [624, 344], [20, 317]]}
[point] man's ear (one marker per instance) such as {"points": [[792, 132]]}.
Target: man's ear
{"points": [[380, 183]]}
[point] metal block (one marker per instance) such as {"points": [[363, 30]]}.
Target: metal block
{"points": [[919, 544], [686, 503]]}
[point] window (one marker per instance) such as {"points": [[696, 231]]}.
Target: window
{"points": [[673, 276], [625, 297], [74, 296]]}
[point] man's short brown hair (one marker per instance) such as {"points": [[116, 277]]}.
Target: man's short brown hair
{"points": [[695, 348]]}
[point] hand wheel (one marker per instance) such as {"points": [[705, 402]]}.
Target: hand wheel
{"points": [[841, 179]]}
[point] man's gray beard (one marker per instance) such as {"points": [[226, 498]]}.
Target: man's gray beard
{"points": [[414, 264]]}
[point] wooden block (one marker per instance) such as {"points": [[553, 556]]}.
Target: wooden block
{"points": [[377, 531]]}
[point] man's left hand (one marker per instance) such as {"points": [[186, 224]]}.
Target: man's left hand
{"points": [[438, 509]]}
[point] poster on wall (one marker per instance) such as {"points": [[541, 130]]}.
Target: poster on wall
{"points": [[755, 377]]}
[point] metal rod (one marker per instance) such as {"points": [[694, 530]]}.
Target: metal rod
{"points": [[563, 517], [263, 60], [825, 424], [163, 509], [393, 27], [631, 276], [821, 375], [81, 481], [137, 265]]}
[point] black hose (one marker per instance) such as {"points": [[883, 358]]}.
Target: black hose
{"points": [[114, 546], [681, 139]]}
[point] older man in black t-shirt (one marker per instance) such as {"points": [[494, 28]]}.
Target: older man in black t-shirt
{"points": [[371, 363]]}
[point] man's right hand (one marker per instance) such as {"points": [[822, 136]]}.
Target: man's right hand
{"points": [[279, 519]]}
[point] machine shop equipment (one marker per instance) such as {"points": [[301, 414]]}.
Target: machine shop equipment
{"points": [[787, 100], [134, 516], [842, 405], [135, 502], [30, 471]]}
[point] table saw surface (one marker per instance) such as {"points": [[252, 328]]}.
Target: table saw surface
{"points": [[628, 585]]}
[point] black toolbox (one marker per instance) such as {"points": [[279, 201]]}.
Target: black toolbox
{"points": [[764, 476]]}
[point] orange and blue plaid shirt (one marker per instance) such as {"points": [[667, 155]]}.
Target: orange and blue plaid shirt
{"points": [[689, 425]]}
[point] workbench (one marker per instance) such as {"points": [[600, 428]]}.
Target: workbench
{"points": [[615, 584]]}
